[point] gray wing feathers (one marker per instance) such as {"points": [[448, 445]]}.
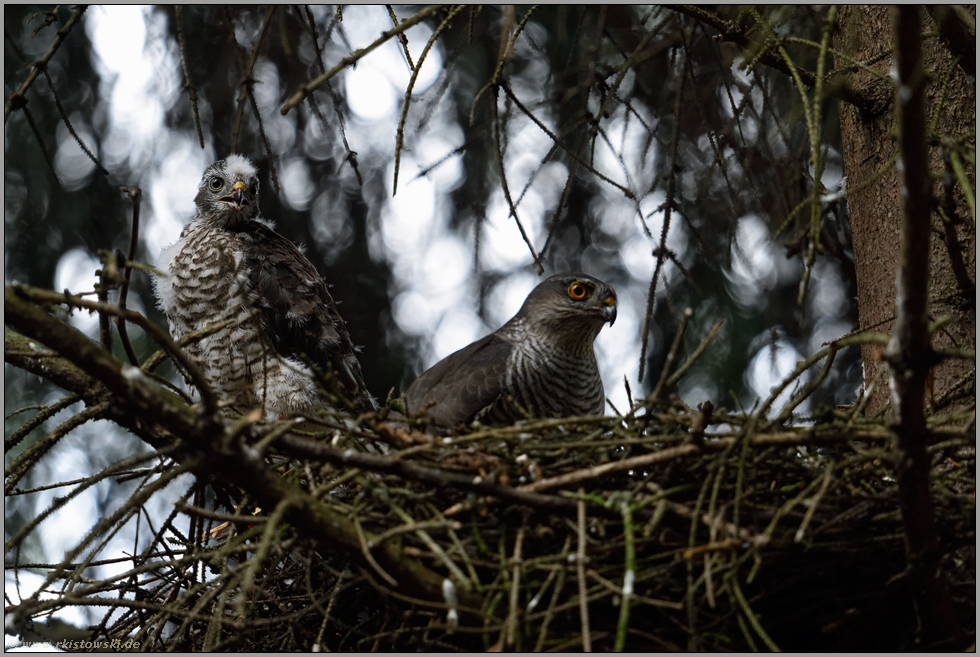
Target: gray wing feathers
{"points": [[299, 316], [462, 385]]}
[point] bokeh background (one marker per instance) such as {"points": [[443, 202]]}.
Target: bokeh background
{"points": [[675, 154]]}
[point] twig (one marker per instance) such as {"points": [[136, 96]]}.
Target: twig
{"points": [[815, 502], [400, 135], [44, 412], [549, 613], [313, 84], [271, 527], [957, 163], [135, 194], [191, 510], [629, 576], [668, 206], [909, 353], [672, 355], [949, 216], [71, 128], [351, 156], [368, 557], [515, 587], [12, 292], [577, 159], [40, 142], [732, 580], [687, 364], [262, 135], [134, 501], [412, 527], [804, 365], [333, 598], [17, 99], [191, 89], [730, 32], [246, 93], [50, 16], [106, 276], [418, 528], [816, 162], [577, 476], [304, 448], [583, 591], [402, 39], [20, 466], [498, 152]]}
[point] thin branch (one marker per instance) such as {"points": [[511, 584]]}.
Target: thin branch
{"points": [[298, 447], [40, 141], [315, 83], [668, 207], [687, 364], [191, 89], [18, 99], [246, 93], [909, 353], [498, 152], [209, 446], [576, 158], [402, 39], [961, 176], [43, 414], [262, 135], [730, 32], [400, 135], [507, 48], [510, 626], [20, 466], [71, 128], [629, 576], [316, 38], [672, 356], [135, 194], [31, 320], [583, 592]]}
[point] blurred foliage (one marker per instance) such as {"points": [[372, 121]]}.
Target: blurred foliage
{"points": [[658, 76]]}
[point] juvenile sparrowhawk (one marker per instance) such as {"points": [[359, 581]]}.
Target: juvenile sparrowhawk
{"points": [[541, 363], [229, 265]]}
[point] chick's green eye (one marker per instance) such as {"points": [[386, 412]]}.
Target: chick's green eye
{"points": [[216, 184], [578, 291]]}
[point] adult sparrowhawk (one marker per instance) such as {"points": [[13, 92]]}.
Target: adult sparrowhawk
{"points": [[229, 265], [541, 363]]}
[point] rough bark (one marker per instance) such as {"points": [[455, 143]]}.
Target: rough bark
{"points": [[869, 146]]}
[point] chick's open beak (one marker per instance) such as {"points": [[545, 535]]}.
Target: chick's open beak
{"points": [[237, 196]]}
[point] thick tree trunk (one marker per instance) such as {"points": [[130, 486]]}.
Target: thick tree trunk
{"points": [[869, 147], [914, 224]]}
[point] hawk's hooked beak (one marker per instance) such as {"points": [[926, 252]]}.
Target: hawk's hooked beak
{"points": [[609, 309], [237, 197]]}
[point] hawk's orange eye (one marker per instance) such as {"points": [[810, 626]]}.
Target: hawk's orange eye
{"points": [[578, 291]]}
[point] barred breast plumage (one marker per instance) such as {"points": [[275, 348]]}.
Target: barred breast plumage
{"points": [[539, 364], [227, 265]]}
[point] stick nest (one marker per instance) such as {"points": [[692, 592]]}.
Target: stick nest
{"points": [[668, 529]]}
